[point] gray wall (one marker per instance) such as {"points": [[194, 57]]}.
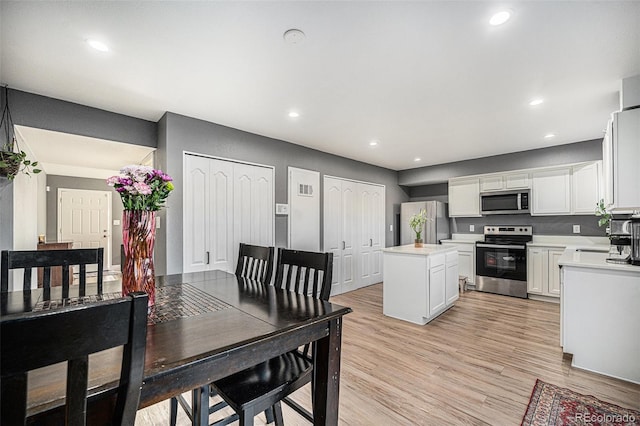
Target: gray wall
{"points": [[178, 133], [542, 225], [56, 182], [551, 156], [28, 109]]}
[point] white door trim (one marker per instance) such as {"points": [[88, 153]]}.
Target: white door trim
{"points": [[107, 251]]}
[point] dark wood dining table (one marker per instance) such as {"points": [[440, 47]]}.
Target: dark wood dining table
{"points": [[204, 326]]}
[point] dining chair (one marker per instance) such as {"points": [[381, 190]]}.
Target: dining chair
{"points": [[37, 339], [255, 262], [262, 387], [46, 259]]}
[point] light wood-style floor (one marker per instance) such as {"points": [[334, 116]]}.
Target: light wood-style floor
{"points": [[476, 364]]}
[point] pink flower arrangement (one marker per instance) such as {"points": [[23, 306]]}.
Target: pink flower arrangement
{"points": [[142, 187]]}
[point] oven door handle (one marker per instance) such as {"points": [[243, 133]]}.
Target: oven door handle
{"points": [[507, 246], [508, 258]]}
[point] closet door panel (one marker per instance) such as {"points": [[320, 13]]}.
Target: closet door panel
{"points": [[349, 235], [332, 234], [377, 232], [262, 209], [196, 214], [221, 216], [365, 206]]}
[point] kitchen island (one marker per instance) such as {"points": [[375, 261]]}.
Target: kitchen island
{"points": [[419, 283], [600, 314]]}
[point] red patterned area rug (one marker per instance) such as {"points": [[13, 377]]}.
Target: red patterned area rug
{"points": [[553, 405]]}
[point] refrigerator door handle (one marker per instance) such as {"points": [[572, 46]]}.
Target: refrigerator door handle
{"points": [[344, 246], [370, 242]]}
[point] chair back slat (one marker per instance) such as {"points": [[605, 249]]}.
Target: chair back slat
{"points": [[312, 263], [255, 262], [37, 339], [46, 259]]}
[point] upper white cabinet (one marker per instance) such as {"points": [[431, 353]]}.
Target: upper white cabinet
{"points": [[621, 151], [504, 181], [586, 187], [464, 197], [551, 192]]}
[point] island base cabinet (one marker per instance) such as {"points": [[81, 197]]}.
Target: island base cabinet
{"points": [[418, 288], [600, 318]]}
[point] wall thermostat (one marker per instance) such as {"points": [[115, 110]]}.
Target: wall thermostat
{"points": [[282, 209]]}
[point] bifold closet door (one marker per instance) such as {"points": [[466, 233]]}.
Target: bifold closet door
{"points": [[253, 206], [339, 231], [225, 203], [353, 232]]}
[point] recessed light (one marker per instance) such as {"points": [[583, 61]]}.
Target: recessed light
{"points": [[373, 143], [294, 114], [98, 45], [417, 159], [549, 136], [500, 18], [536, 102]]}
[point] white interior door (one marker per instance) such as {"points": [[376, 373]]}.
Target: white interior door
{"points": [[365, 243], [84, 218], [377, 231], [253, 206], [196, 214], [333, 229], [225, 203], [349, 226], [304, 209]]}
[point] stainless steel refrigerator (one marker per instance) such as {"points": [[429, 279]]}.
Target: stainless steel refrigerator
{"points": [[436, 228]]}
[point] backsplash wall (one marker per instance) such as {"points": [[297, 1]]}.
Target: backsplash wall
{"points": [[542, 225]]}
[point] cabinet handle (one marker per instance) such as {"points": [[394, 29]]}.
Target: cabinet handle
{"points": [[207, 258], [370, 242], [344, 246]]}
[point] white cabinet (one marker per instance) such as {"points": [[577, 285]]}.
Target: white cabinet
{"points": [[551, 192], [466, 259], [452, 289], [621, 150], [517, 181], [354, 232], [225, 203], [464, 197], [504, 181], [586, 187], [543, 271], [419, 284]]}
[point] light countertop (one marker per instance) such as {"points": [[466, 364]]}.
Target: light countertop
{"points": [[561, 241], [426, 250], [593, 260]]}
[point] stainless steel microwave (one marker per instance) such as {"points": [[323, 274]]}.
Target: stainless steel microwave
{"points": [[504, 202]]}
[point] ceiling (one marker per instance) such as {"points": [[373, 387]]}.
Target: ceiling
{"points": [[426, 79]]}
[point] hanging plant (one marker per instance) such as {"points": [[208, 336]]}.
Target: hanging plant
{"points": [[12, 159]]}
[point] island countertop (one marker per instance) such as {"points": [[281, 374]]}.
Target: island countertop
{"points": [[426, 250]]}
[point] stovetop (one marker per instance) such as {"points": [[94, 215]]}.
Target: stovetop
{"points": [[521, 234]]}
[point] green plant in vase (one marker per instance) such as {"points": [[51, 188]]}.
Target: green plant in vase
{"points": [[416, 222], [604, 214]]}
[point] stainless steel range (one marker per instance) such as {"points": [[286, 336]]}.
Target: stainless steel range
{"points": [[501, 260]]}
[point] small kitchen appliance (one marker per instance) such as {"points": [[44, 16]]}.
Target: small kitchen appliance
{"points": [[635, 239], [620, 236], [501, 260]]}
